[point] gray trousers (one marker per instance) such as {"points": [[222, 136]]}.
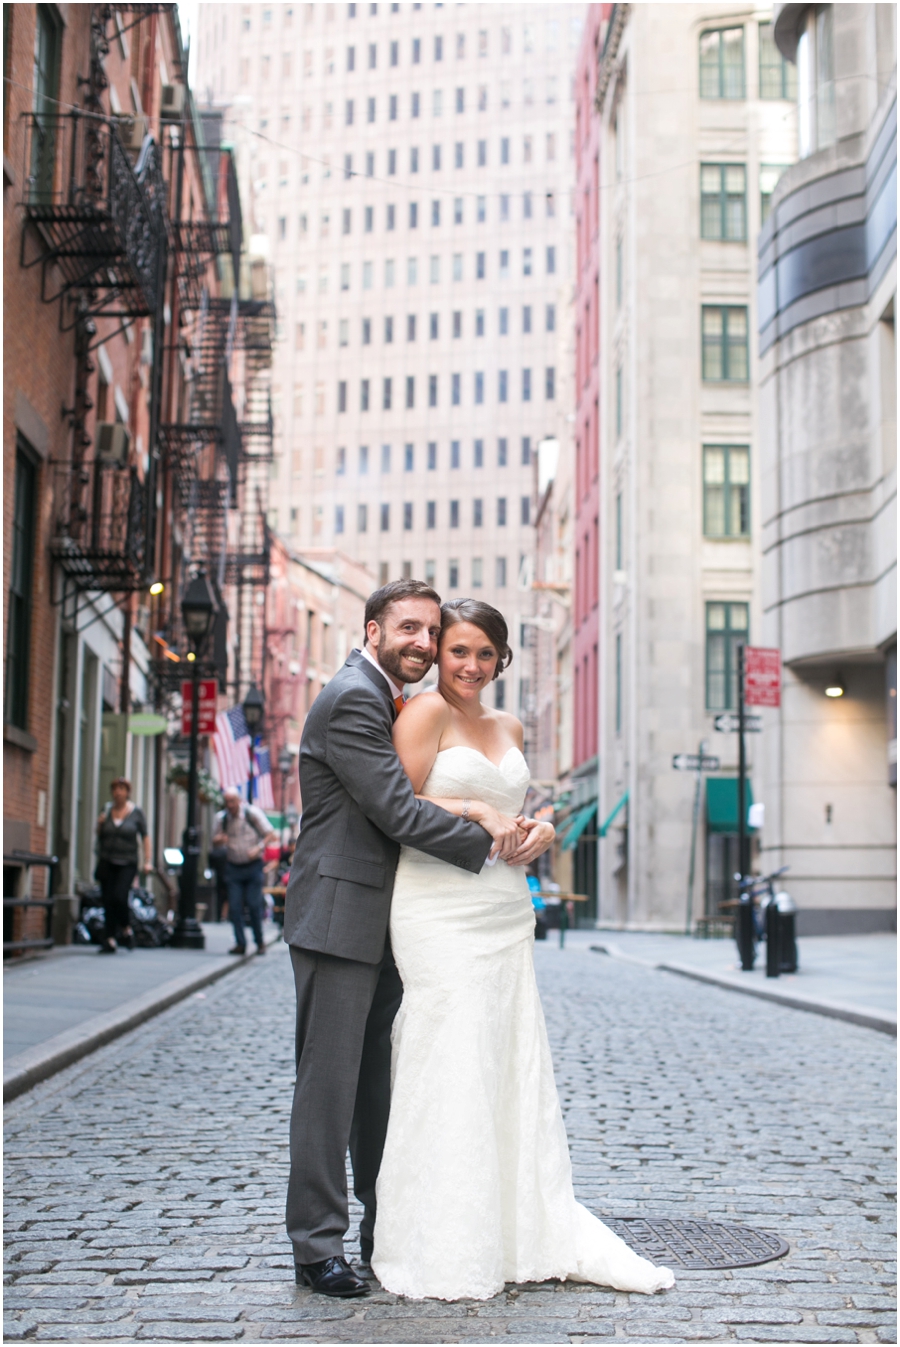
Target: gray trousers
{"points": [[342, 1095]]}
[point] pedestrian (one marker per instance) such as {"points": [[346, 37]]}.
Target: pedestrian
{"points": [[119, 827], [244, 831]]}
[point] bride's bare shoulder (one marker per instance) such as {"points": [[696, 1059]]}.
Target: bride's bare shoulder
{"points": [[426, 711], [511, 726]]}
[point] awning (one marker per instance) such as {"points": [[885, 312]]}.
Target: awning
{"points": [[607, 823], [578, 825], [722, 803]]}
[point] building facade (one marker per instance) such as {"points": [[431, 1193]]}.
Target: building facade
{"points": [[828, 441], [412, 167], [697, 120]]}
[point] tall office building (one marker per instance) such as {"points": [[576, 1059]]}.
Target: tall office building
{"points": [[412, 167]]}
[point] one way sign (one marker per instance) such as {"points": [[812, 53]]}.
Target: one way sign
{"points": [[692, 762], [729, 723]]}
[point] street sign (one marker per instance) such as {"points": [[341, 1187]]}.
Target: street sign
{"points": [[729, 723], [692, 762], [762, 676], [206, 710]]}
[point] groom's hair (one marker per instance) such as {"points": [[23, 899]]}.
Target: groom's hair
{"points": [[382, 600]]}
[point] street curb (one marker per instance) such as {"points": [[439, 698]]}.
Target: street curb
{"points": [[836, 1010], [35, 1064]]}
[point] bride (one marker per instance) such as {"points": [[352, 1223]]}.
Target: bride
{"points": [[475, 1187]]}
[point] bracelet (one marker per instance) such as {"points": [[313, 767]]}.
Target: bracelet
{"points": [[465, 811]]}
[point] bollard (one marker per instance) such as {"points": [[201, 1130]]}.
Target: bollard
{"points": [[773, 939], [787, 923], [746, 939]]}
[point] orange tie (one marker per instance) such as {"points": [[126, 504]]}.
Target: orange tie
{"points": [[399, 702]]}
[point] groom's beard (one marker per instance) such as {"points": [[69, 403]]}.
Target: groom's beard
{"points": [[390, 659]]}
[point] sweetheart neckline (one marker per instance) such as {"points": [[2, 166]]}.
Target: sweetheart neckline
{"points": [[469, 747]]}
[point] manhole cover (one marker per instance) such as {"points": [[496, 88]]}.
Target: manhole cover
{"points": [[697, 1244]]}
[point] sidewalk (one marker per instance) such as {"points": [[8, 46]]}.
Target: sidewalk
{"points": [[61, 1005], [850, 977]]}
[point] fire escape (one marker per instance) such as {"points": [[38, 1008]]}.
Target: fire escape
{"points": [[98, 233]]}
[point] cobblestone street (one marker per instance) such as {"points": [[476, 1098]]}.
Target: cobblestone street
{"points": [[145, 1186]]}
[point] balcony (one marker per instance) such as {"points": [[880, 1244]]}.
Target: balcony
{"points": [[100, 222], [100, 535]]}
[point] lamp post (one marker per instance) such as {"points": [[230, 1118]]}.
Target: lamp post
{"points": [[285, 763], [198, 610], [253, 706]]}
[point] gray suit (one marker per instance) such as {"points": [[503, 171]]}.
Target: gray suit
{"points": [[358, 809]]}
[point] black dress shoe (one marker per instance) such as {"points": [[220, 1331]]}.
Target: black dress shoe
{"points": [[333, 1277]]}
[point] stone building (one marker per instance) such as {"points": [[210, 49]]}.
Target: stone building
{"points": [[828, 441], [412, 167], [697, 120]]}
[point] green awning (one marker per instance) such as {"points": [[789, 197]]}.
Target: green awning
{"points": [[578, 825], [608, 821], [722, 803]]}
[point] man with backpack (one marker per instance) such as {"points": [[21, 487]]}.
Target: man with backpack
{"points": [[243, 830]]}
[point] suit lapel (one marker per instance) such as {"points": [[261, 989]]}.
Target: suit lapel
{"points": [[358, 661]]}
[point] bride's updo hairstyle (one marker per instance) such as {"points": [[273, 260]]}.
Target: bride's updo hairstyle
{"points": [[486, 619]]}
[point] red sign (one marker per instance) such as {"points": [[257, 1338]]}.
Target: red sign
{"points": [[206, 717], [762, 676]]}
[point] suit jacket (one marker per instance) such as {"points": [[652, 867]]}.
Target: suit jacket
{"points": [[359, 808]]}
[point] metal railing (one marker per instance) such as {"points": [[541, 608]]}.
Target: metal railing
{"points": [[100, 535]]}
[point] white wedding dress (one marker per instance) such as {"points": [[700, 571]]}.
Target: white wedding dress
{"points": [[475, 1188]]}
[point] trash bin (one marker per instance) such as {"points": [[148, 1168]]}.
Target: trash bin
{"points": [[787, 922]]}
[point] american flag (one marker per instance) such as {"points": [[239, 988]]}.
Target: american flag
{"points": [[231, 743], [262, 778]]}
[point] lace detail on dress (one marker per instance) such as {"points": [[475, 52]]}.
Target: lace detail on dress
{"points": [[475, 1187]]}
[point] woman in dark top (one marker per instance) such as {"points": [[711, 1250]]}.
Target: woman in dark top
{"points": [[118, 859]]}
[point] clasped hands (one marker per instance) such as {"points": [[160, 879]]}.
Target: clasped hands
{"points": [[519, 840]]}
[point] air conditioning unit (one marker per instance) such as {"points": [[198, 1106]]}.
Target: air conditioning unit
{"points": [[132, 131], [171, 108], [112, 443]]}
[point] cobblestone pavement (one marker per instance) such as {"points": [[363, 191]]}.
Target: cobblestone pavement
{"points": [[144, 1185]]}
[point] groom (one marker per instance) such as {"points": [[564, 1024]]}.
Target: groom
{"points": [[358, 809]]}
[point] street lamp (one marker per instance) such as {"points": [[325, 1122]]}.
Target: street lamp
{"points": [[253, 706], [285, 763], [198, 611]]}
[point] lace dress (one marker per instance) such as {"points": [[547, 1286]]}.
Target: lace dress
{"points": [[475, 1188]]}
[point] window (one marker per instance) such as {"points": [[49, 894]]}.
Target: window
{"points": [[432, 455], [342, 395], [370, 110], [348, 117], [503, 322], [478, 454], [503, 385], [551, 261], [726, 629], [722, 63], [340, 466], [339, 519], [526, 450], [477, 513], [348, 166], [725, 349], [526, 318], [19, 600], [392, 108], [482, 42], [433, 326], [434, 269], [457, 210], [460, 100], [458, 154], [385, 518], [453, 574], [526, 385], [479, 387], [430, 572], [410, 391], [777, 76], [504, 263], [364, 395], [480, 209], [438, 48], [391, 218], [322, 334], [344, 332], [455, 454], [526, 262], [501, 511], [435, 213], [550, 200], [479, 322], [385, 404], [504, 150], [500, 572], [408, 457], [395, 53], [726, 491], [432, 390], [454, 514], [373, 56], [369, 219], [362, 518], [412, 270], [526, 206], [392, 163], [367, 276], [550, 318], [370, 164], [768, 179], [455, 389], [502, 451], [480, 266], [299, 336], [416, 50], [482, 153], [431, 514], [363, 460], [414, 161], [460, 46], [345, 275], [413, 215], [526, 149], [410, 327], [388, 331], [436, 158], [457, 266], [525, 510], [407, 516], [550, 383], [367, 332], [500, 691], [723, 201], [457, 323]]}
